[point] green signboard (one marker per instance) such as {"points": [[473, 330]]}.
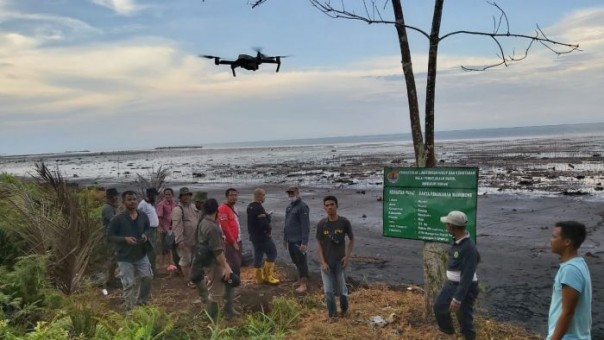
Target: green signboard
{"points": [[416, 198]]}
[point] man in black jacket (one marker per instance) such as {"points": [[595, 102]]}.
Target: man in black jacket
{"points": [[461, 289], [128, 230], [259, 229]]}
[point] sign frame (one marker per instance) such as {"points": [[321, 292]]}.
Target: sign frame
{"points": [[414, 199]]}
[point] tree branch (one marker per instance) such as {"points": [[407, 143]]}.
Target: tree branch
{"points": [[342, 13], [373, 15]]}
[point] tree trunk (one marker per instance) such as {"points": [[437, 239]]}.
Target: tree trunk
{"points": [[431, 82], [414, 119], [435, 254]]}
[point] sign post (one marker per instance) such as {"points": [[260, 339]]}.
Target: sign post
{"points": [[416, 198]]}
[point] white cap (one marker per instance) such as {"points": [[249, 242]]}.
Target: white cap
{"points": [[456, 218]]}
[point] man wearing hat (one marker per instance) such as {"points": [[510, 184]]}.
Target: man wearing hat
{"points": [[461, 289], [108, 211], [200, 198], [184, 224], [147, 206], [295, 234]]}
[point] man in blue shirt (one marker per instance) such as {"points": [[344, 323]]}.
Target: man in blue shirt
{"points": [[570, 309]]}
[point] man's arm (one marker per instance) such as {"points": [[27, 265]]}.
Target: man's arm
{"points": [[468, 269], [348, 231], [322, 261], [225, 225], [570, 299], [304, 223], [177, 225]]}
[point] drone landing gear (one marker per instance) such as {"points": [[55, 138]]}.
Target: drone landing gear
{"points": [[233, 70]]}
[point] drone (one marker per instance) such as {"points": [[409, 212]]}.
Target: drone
{"points": [[247, 61]]}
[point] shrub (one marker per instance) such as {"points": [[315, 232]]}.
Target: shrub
{"points": [[51, 218], [24, 292]]}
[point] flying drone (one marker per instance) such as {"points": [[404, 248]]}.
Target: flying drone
{"points": [[247, 61]]}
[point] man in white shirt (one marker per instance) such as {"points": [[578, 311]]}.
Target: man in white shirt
{"points": [[147, 206]]}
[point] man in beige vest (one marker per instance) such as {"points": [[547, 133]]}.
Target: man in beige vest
{"points": [[184, 224]]}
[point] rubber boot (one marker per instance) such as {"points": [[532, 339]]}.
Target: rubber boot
{"points": [[212, 310], [229, 309], [269, 270], [259, 275]]}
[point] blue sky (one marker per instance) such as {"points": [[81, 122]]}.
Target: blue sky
{"points": [[108, 75]]}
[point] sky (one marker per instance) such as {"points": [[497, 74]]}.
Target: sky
{"points": [[104, 75]]}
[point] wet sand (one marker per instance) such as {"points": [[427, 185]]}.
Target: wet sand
{"points": [[517, 268]]}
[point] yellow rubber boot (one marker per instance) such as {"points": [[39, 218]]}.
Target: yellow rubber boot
{"points": [[259, 276], [269, 271]]}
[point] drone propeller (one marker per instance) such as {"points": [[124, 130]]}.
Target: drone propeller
{"points": [[216, 59], [259, 52]]}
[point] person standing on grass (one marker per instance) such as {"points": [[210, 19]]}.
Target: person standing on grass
{"points": [[228, 219], [109, 211], [129, 231], [295, 235], [219, 271], [184, 223], [259, 229], [461, 289], [334, 255], [164, 214], [147, 205], [570, 308]]}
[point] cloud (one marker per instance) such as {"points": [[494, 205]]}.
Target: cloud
{"points": [[150, 86], [121, 7]]}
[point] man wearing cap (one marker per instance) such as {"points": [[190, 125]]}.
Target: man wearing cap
{"points": [[108, 211], [295, 234], [218, 272], [164, 213], [200, 198], [461, 289], [147, 206], [228, 219], [184, 223]]}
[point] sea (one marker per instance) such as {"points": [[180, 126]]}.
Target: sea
{"points": [[552, 159]]}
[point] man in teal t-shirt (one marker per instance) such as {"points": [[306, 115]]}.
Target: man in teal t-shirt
{"points": [[570, 309]]}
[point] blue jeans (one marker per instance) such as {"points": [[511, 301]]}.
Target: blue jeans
{"points": [[264, 247], [128, 272], [465, 315], [334, 283], [298, 258]]}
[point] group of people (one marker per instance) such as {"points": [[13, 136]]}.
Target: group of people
{"points": [[172, 229], [178, 227]]}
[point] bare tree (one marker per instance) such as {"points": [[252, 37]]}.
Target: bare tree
{"points": [[371, 12]]}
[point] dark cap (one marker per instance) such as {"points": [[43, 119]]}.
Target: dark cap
{"points": [[200, 196], [184, 191], [293, 188], [111, 192], [152, 192]]}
